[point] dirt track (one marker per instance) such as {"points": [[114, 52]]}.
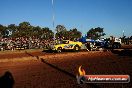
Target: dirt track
{"points": [[30, 72]]}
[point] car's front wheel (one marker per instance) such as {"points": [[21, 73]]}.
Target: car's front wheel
{"points": [[76, 48]]}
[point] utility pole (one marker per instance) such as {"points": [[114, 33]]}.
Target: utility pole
{"points": [[123, 33], [123, 37], [53, 18]]}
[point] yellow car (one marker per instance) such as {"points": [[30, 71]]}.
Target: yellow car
{"points": [[66, 45]]}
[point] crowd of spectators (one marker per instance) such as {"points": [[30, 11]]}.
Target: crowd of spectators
{"points": [[127, 40], [20, 43]]}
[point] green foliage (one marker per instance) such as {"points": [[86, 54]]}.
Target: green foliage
{"points": [[63, 33], [24, 29], [95, 33], [60, 28], [13, 28], [47, 33], [2, 30], [74, 34]]}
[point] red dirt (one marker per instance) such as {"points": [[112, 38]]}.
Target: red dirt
{"points": [[33, 73], [18, 55]]}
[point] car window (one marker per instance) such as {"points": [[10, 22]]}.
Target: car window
{"points": [[65, 42]]}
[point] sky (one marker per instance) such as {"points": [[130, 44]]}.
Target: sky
{"points": [[112, 15]]}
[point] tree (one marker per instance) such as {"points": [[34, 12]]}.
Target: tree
{"points": [[61, 31], [2, 30], [95, 33], [13, 29], [74, 34], [12, 26], [131, 38], [60, 28], [47, 33], [24, 29], [24, 25], [36, 31]]}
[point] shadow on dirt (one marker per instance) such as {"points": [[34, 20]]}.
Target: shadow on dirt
{"points": [[59, 69], [7, 80], [63, 51], [47, 51], [125, 52]]}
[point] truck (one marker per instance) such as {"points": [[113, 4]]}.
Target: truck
{"points": [[107, 43], [116, 43]]}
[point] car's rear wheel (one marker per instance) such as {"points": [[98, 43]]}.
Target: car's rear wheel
{"points": [[59, 50], [116, 46]]}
